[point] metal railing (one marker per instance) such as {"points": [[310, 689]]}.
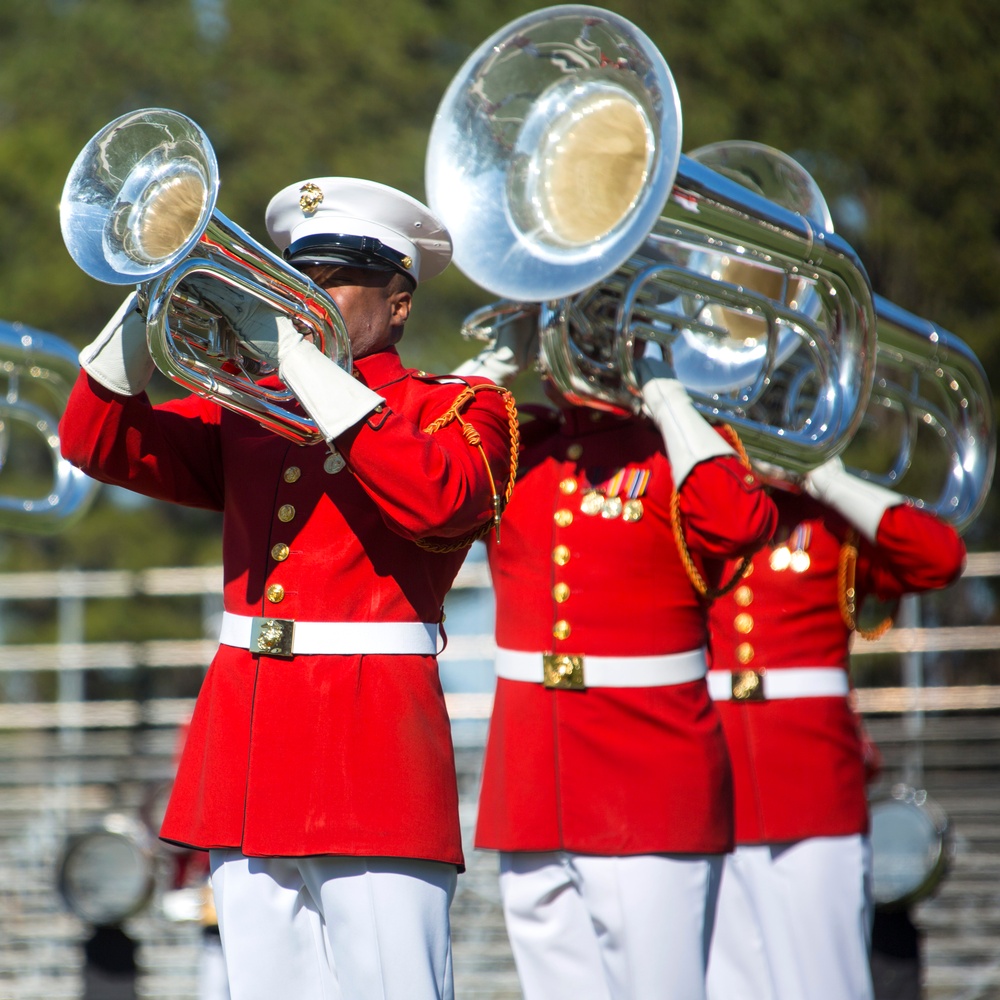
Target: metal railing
{"points": [[69, 656]]}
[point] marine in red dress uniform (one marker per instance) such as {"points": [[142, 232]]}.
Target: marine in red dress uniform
{"points": [[339, 754], [795, 907], [606, 783]]}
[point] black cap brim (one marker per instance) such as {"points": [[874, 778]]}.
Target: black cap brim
{"points": [[347, 250]]}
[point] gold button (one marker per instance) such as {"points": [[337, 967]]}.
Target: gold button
{"points": [[564, 517], [292, 474], [333, 463], [275, 593], [743, 596], [568, 486], [286, 512], [744, 623], [574, 451], [561, 629], [749, 479], [744, 652], [561, 593], [560, 555], [279, 552]]}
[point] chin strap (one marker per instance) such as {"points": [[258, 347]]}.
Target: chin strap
{"points": [[847, 594], [697, 580], [472, 437]]}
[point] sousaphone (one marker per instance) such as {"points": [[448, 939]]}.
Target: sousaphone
{"points": [[554, 160], [928, 430], [40, 492]]}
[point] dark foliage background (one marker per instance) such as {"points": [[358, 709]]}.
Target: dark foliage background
{"points": [[891, 105]]}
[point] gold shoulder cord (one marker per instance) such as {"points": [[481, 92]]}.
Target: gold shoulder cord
{"points": [[847, 594], [472, 437], [697, 580]]}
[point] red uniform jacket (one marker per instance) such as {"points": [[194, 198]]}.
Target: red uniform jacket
{"points": [[798, 763], [609, 771], [321, 754]]}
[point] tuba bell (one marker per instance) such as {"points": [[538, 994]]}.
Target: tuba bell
{"points": [[554, 160], [138, 207], [553, 150], [928, 430], [47, 493]]}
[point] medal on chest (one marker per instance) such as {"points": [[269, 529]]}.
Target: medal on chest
{"points": [[794, 553], [617, 495]]}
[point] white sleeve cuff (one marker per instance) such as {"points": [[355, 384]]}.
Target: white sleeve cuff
{"points": [[119, 357], [689, 437], [333, 398], [862, 503]]}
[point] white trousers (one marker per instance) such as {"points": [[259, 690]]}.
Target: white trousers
{"points": [[213, 983], [334, 928], [794, 922], [609, 928]]}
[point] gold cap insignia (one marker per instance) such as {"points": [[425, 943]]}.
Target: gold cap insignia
{"points": [[310, 197], [407, 262]]}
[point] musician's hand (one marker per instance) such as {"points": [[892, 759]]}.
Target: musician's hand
{"points": [[652, 364], [119, 357], [517, 340], [260, 329], [515, 349], [861, 502], [824, 477], [688, 437], [215, 295]]}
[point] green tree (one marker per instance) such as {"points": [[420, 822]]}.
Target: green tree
{"points": [[889, 104]]}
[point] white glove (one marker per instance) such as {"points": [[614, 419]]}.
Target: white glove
{"points": [[515, 350], [251, 319], [689, 438], [862, 503], [119, 358], [332, 397]]}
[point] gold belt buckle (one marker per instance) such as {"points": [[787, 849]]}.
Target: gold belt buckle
{"points": [[563, 672], [748, 685], [272, 636]]}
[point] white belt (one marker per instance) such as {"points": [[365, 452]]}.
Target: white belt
{"points": [[287, 637], [784, 682], [572, 672]]}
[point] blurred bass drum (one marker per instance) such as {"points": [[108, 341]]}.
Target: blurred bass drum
{"points": [[911, 847]]}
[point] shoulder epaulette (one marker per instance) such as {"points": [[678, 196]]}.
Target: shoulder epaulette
{"points": [[423, 376]]}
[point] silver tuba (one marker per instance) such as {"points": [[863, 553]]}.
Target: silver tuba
{"points": [[928, 430], [138, 207], [554, 161], [47, 494]]}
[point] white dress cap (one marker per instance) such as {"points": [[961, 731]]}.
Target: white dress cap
{"points": [[345, 220]]}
